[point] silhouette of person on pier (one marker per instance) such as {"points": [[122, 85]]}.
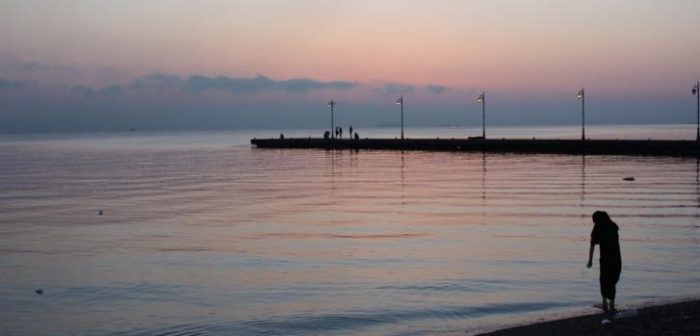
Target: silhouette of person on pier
{"points": [[605, 234]]}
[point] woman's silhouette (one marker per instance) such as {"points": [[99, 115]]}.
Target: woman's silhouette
{"points": [[605, 234]]}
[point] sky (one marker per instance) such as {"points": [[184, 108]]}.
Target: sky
{"points": [[110, 65]]}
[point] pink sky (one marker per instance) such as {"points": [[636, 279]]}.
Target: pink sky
{"points": [[515, 45]]}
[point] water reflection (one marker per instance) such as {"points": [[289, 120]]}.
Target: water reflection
{"points": [[584, 216], [483, 188], [583, 179], [697, 179], [403, 178], [332, 156], [317, 242]]}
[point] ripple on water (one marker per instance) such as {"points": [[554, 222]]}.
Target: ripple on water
{"points": [[199, 236]]}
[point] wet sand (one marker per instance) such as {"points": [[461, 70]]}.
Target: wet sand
{"points": [[670, 319]]}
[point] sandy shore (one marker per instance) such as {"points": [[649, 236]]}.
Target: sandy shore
{"points": [[669, 319]]}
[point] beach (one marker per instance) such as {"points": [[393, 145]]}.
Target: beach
{"points": [[681, 318]]}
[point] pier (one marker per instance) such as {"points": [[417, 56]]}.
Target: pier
{"points": [[672, 148]]}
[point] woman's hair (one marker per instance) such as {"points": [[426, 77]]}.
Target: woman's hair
{"points": [[601, 217]]}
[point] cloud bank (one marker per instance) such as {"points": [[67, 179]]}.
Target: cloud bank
{"points": [[262, 83], [169, 102]]}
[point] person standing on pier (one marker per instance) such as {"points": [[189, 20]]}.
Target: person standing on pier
{"points": [[605, 234], [350, 129]]}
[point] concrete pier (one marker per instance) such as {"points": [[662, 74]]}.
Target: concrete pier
{"points": [[675, 148]]}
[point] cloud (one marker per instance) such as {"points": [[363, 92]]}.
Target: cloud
{"points": [[8, 85], [170, 102], [304, 85], [165, 83], [60, 74], [437, 89], [262, 83], [113, 90], [236, 85], [16, 75], [82, 91], [88, 92], [398, 88], [157, 82]]}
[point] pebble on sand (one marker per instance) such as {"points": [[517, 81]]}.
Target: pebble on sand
{"points": [[629, 178], [39, 291], [100, 212]]}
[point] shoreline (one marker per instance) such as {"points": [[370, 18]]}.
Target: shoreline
{"points": [[674, 318]]}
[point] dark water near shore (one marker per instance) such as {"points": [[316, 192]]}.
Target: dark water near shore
{"points": [[202, 234]]}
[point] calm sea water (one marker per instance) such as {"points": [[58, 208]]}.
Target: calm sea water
{"points": [[203, 235]]}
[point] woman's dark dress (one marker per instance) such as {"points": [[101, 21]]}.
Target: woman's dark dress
{"points": [[605, 234]]}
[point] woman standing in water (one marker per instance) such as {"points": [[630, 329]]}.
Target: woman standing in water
{"points": [[605, 234]]}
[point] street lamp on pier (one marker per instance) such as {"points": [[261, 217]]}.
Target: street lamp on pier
{"points": [[400, 103], [482, 100], [582, 97], [331, 105], [696, 92]]}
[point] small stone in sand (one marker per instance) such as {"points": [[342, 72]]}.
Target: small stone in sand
{"points": [[100, 212], [39, 291], [629, 178]]}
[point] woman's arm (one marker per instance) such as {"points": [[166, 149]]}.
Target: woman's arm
{"points": [[590, 255]]}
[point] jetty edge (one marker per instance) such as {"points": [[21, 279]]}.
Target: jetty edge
{"points": [[672, 148]]}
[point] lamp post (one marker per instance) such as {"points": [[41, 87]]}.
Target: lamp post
{"points": [[331, 105], [696, 92], [482, 100], [400, 103], [582, 97]]}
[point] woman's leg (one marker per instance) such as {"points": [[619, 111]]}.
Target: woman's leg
{"points": [[609, 275]]}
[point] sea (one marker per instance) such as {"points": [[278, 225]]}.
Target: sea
{"points": [[200, 233]]}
